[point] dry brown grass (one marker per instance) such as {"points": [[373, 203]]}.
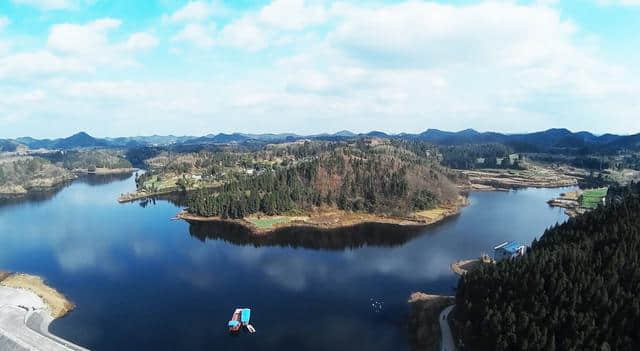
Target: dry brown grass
{"points": [[57, 303], [3, 275]]}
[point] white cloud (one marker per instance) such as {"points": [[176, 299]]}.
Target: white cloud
{"points": [[495, 65], [29, 64], [192, 11], [76, 49], [195, 34], [272, 25], [244, 34], [292, 14], [81, 39], [141, 41]]}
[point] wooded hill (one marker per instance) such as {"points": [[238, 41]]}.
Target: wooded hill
{"points": [[20, 174], [377, 176], [74, 159], [576, 288]]}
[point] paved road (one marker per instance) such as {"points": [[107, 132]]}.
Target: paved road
{"points": [[24, 324], [447, 339]]}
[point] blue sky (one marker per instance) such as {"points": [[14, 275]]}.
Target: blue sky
{"points": [[122, 67]]}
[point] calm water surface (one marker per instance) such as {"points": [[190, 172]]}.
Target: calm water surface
{"points": [[141, 281]]}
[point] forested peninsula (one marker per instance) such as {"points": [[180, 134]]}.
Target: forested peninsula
{"points": [[575, 289], [332, 184]]}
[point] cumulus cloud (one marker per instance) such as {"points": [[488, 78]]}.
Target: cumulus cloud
{"points": [[292, 14], [251, 31], [141, 41], [81, 39], [403, 66], [196, 34], [192, 11], [76, 49]]}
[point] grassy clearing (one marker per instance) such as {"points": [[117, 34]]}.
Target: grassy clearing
{"points": [[267, 223], [154, 182], [591, 198]]}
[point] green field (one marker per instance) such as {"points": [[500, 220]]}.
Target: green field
{"points": [[266, 223], [591, 198]]}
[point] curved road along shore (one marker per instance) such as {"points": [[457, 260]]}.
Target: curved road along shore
{"points": [[24, 322], [446, 340]]}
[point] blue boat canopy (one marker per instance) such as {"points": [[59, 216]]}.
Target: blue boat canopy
{"points": [[233, 323], [512, 247], [245, 315]]}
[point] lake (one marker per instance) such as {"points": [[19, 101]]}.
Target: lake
{"points": [[141, 281]]}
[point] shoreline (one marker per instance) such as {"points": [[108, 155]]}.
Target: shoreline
{"points": [[20, 191], [50, 185], [333, 219], [27, 308], [57, 304]]}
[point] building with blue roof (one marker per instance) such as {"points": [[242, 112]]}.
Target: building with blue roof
{"points": [[508, 249]]}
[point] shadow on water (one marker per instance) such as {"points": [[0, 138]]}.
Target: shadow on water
{"points": [[367, 234], [101, 179]]}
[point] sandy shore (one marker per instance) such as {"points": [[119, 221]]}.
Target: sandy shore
{"points": [[334, 218], [27, 307], [58, 305]]}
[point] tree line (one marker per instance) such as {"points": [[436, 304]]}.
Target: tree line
{"points": [[575, 289]]}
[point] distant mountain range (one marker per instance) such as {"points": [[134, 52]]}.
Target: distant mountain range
{"points": [[529, 142]]}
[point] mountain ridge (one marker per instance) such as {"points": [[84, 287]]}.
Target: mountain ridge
{"points": [[539, 141]]}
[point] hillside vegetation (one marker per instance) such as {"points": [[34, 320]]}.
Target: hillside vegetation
{"points": [[18, 175], [373, 175], [576, 289], [85, 159]]}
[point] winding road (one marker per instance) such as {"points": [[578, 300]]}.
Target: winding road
{"points": [[447, 339]]}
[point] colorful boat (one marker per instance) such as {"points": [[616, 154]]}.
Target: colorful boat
{"points": [[234, 323], [245, 316]]}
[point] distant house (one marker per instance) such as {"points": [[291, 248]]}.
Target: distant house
{"points": [[196, 177], [508, 249]]}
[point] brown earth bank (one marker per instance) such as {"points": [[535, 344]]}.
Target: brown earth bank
{"points": [[464, 266], [34, 186], [331, 218], [58, 305], [424, 327], [533, 177]]}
